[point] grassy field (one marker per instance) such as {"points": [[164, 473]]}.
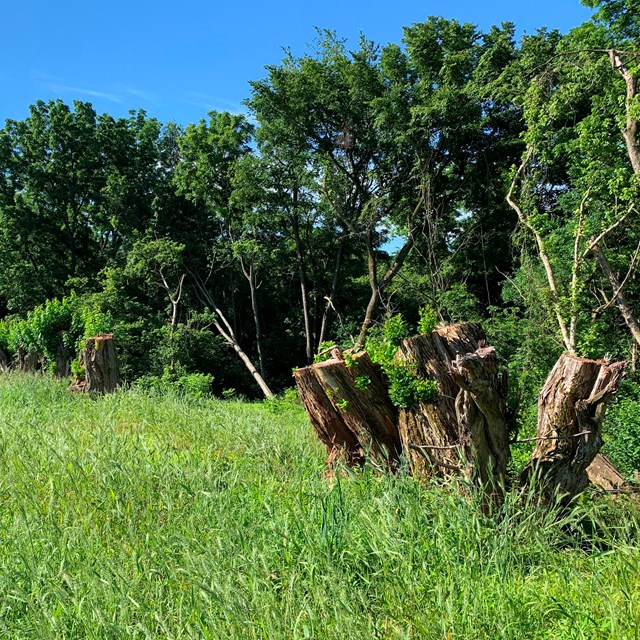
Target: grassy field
{"points": [[133, 516]]}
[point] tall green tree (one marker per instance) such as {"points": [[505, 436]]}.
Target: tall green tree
{"points": [[210, 156], [576, 189], [52, 167]]}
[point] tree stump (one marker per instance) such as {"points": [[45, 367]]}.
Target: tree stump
{"points": [[571, 407], [28, 361], [63, 358], [101, 364], [5, 360], [463, 431], [350, 410]]}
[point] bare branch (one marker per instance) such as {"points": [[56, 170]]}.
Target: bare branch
{"points": [[544, 258], [598, 239], [573, 323], [575, 435]]}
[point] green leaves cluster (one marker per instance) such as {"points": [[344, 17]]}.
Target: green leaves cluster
{"points": [[193, 385], [406, 386]]}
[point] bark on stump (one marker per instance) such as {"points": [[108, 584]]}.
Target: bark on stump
{"points": [[101, 364], [350, 410], [571, 407], [463, 431], [63, 359], [5, 360], [28, 361]]}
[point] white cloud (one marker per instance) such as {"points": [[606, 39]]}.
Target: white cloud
{"points": [[66, 89]]}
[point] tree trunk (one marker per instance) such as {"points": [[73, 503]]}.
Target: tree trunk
{"points": [[63, 359], [463, 431], [28, 361], [303, 280], [101, 364], [330, 306], [618, 294], [372, 269], [253, 287], [5, 360], [571, 407], [227, 332], [630, 131], [350, 410], [378, 287]]}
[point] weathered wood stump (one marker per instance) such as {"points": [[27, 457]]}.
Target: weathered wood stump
{"points": [[28, 361], [5, 360], [463, 430], [63, 358], [571, 407], [101, 364], [350, 410]]}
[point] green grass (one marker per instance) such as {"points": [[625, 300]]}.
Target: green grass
{"points": [[132, 516]]}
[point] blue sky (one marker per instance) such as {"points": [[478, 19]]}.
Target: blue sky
{"points": [[180, 60]]}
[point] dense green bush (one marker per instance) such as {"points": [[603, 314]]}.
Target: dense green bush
{"points": [[196, 385], [55, 329], [622, 428], [406, 386]]}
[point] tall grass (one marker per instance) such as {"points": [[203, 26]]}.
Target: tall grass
{"points": [[133, 516]]}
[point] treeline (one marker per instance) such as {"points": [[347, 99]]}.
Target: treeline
{"points": [[459, 175]]}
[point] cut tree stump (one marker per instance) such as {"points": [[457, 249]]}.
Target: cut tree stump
{"points": [[28, 361], [63, 358], [5, 360], [101, 364], [350, 410], [571, 407], [463, 430]]}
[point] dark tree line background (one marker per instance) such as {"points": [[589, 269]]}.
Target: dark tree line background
{"points": [[458, 175]]}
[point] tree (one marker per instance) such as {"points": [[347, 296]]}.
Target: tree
{"points": [[576, 188], [210, 153], [52, 168], [159, 262], [323, 106]]}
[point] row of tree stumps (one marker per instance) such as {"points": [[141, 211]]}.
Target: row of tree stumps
{"points": [[99, 358], [465, 430]]}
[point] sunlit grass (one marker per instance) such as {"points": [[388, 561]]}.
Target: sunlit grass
{"points": [[132, 516]]}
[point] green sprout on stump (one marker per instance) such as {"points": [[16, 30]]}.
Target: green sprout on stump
{"points": [[406, 387]]}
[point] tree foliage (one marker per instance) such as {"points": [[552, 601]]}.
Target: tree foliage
{"points": [[364, 181]]}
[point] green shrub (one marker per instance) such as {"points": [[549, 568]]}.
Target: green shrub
{"points": [[362, 382], [406, 386], [58, 325], [193, 385], [428, 320], [622, 428]]}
